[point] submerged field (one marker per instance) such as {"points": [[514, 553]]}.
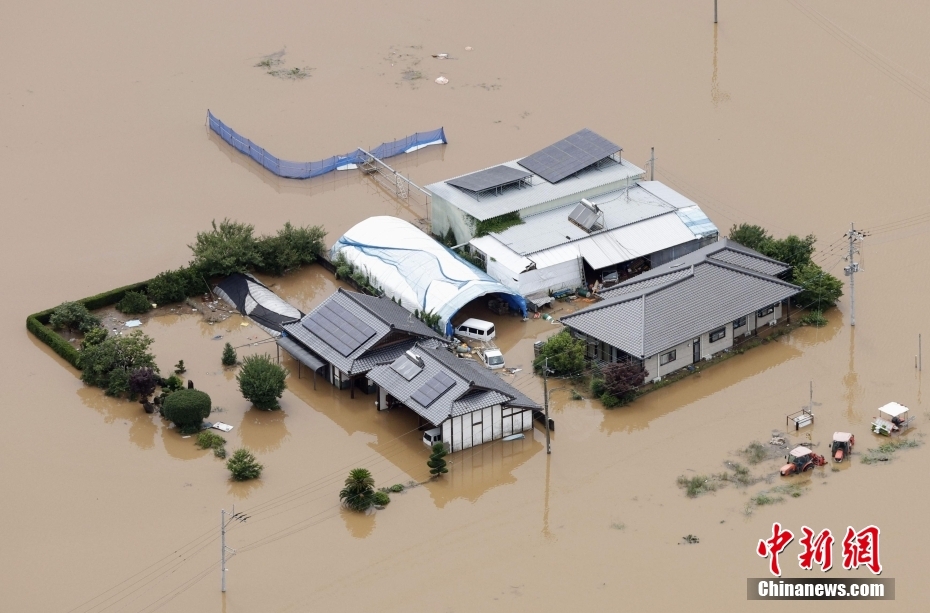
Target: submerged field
{"points": [[773, 118]]}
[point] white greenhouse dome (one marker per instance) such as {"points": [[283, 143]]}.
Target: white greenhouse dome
{"points": [[410, 266]]}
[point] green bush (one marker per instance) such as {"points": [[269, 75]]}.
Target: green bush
{"points": [[598, 387], [176, 285], [381, 499], [290, 249], [211, 440], [112, 296], [565, 353], [436, 462], [820, 290], [229, 355], [792, 250], [108, 364], [53, 340], [261, 381], [180, 368], [73, 316], [609, 401], [244, 466], [227, 248], [134, 302], [187, 409], [93, 337], [814, 318], [397, 487]]}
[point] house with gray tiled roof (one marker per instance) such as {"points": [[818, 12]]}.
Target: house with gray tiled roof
{"points": [[467, 403], [686, 310], [349, 334]]}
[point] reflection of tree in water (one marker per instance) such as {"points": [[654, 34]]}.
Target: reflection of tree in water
{"points": [[142, 426], [243, 489], [360, 525], [263, 430]]}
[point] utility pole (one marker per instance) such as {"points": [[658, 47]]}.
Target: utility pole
{"points": [[546, 394], [851, 270], [715, 11], [242, 517], [652, 165]]}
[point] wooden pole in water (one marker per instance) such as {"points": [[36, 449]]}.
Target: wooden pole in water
{"points": [[715, 11]]}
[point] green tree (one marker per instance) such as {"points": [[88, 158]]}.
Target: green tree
{"points": [[359, 491], [820, 290], [227, 248], [261, 381], [94, 336], [180, 368], [291, 248], [108, 364], [229, 355], [244, 466], [565, 353], [73, 316], [175, 285], [436, 463], [748, 235], [134, 302], [187, 408], [792, 250]]}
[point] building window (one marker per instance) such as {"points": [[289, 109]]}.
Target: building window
{"points": [[739, 323], [665, 358], [766, 311], [716, 335]]}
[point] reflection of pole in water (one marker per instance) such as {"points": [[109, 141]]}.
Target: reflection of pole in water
{"points": [[545, 529], [716, 96], [851, 381]]}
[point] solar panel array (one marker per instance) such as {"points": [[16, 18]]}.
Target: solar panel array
{"points": [[584, 217], [433, 389], [569, 155], [489, 178], [338, 328], [406, 368]]}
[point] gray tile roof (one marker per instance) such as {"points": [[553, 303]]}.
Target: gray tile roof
{"points": [[386, 317], [474, 386], [645, 316]]}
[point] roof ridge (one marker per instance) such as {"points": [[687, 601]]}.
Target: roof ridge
{"points": [[727, 243], [350, 296], [751, 273], [646, 291]]}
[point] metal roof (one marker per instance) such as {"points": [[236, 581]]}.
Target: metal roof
{"points": [[570, 155], [300, 354], [609, 177], [658, 316], [489, 178], [893, 409], [470, 387], [842, 437], [800, 451]]}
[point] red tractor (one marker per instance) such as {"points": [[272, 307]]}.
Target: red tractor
{"points": [[842, 445], [801, 459]]}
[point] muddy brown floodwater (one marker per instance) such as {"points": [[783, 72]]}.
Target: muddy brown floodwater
{"points": [[800, 115]]}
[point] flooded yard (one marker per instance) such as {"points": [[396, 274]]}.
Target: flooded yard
{"points": [[801, 116]]}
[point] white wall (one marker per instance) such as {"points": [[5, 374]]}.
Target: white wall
{"points": [[683, 357], [555, 277], [496, 422], [443, 216]]}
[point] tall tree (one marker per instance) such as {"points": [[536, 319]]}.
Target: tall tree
{"points": [[359, 491], [436, 463]]}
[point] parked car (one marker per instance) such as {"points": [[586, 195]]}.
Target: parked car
{"points": [[492, 358], [477, 329], [432, 436]]}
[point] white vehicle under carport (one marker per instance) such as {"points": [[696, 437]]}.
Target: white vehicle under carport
{"points": [[432, 436]]}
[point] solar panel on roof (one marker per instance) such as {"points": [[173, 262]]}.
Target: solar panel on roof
{"points": [[338, 328], [490, 178], [569, 155], [438, 385], [584, 216], [406, 368]]}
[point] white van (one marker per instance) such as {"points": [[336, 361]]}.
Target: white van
{"points": [[492, 358], [477, 329], [431, 437]]}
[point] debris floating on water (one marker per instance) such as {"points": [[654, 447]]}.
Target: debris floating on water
{"points": [[133, 323], [442, 80]]}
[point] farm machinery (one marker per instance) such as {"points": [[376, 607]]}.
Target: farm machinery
{"points": [[801, 459], [842, 445]]}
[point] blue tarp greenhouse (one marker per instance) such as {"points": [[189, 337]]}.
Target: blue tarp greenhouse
{"points": [[408, 265]]}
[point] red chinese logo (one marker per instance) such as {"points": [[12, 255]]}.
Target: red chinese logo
{"points": [[819, 549], [770, 548], [861, 549]]}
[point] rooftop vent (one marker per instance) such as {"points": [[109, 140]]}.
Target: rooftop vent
{"points": [[415, 358], [587, 216]]}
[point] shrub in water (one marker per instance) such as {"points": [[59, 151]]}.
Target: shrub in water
{"points": [[227, 248], [381, 499], [108, 364], [134, 302], [175, 285], [244, 466], [261, 381], [73, 316], [229, 355], [436, 463], [179, 368], [359, 492], [290, 249], [94, 336], [187, 409]]}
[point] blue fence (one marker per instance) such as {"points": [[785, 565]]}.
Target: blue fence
{"points": [[307, 170]]}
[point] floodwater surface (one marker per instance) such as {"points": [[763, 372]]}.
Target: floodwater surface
{"points": [[799, 115]]}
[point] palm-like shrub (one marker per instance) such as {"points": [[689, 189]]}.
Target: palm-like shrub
{"points": [[359, 492]]}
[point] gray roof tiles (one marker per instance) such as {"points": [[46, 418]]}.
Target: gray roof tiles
{"points": [[473, 387], [383, 315], [645, 316]]}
